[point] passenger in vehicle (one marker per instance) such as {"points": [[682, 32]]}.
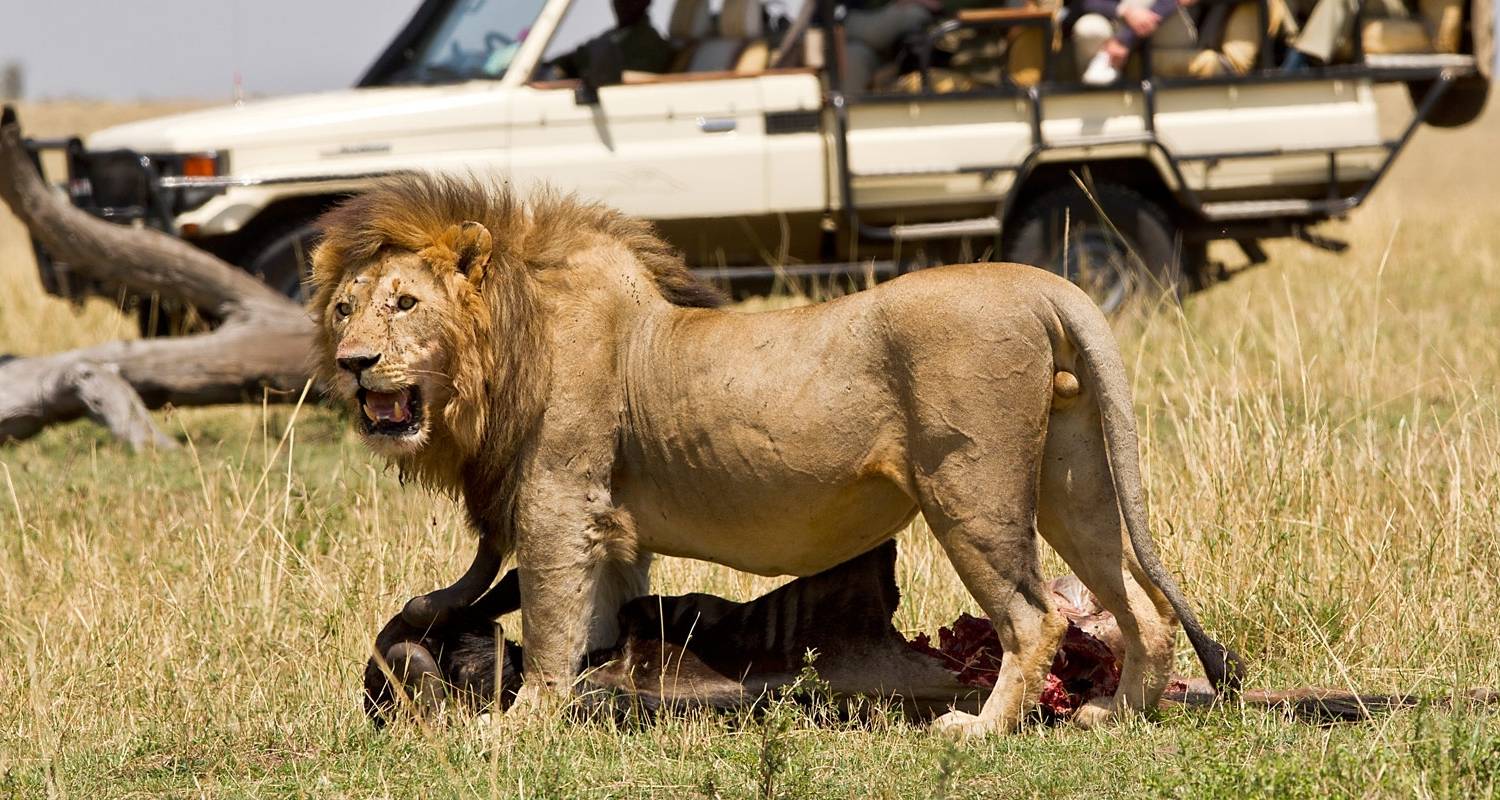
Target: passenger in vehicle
{"points": [[1229, 39], [1388, 28], [642, 48], [1108, 31], [874, 30]]}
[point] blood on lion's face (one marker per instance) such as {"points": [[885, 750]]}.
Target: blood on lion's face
{"points": [[386, 322]]}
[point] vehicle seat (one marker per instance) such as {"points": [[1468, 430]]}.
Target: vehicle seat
{"points": [[690, 24], [1437, 29], [748, 23], [1235, 51], [1391, 36], [740, 45]]}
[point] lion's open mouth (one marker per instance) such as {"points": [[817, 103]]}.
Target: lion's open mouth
{"points": [[397, 413]]}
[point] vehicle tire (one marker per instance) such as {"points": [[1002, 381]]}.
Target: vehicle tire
{"points": [[1461, 104], [1130, 255], [283, 258]]}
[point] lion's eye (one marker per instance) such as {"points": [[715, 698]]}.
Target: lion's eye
{"points": [[344, 309], [405, 302]]}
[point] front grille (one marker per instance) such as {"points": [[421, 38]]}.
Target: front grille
{"points": [[118, 180]]}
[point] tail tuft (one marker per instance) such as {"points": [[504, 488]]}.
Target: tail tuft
{"points": [[1223, 667]]}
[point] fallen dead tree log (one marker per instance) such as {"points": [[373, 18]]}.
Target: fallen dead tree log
{"points": [[262, 342], [702, 651]]}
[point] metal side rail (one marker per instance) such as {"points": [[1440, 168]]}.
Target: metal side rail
{"points": [[1233, 211], [1384, 64], [837, 269], [951, 229]]}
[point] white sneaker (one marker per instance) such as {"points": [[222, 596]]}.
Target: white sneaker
{"points": [[1099, 71]]}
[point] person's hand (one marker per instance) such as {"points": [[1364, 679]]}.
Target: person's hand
{"points": [[1141, 20], [1118, 53]]}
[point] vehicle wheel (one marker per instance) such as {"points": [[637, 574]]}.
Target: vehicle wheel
{"points": [[1461, 104], [284, 258], [1129, 255]]}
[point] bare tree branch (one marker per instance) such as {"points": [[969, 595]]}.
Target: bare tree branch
{"points": [[263, 342], [113, 402]]}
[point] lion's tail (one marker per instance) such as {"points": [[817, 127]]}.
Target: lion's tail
{"points": [[1086, 326]]}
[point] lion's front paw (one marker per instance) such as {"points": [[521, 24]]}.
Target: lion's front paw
{"points": [[530, 703], [536, 702], [1095, 713], [964, 726]]}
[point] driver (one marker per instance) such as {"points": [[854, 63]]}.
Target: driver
{"points": [[642, 48]]}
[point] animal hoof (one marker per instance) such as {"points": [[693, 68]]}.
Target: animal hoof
{"points": [[1095, 713], [963, 726]]}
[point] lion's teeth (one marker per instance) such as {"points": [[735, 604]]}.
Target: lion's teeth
{"points": [[386, 406]]}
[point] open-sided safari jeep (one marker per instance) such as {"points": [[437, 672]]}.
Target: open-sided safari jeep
{"points": [[754, 160]]}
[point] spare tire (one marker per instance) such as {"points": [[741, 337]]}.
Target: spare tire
{"points": [[1461, 104]]}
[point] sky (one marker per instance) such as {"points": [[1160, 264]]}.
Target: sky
{"points": [[129, 50], [191, 49]]}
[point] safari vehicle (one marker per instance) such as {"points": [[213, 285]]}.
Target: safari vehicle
{"points": [[753, 160]]}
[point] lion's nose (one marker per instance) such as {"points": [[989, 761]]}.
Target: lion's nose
{"points": [[358, 363]]}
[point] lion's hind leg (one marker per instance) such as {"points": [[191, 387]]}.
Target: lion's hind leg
{"points": [[979, 497], [1002, 570], [1079, 517]]}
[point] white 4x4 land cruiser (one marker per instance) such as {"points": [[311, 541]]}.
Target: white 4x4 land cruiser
{"points": [[752, 160]]}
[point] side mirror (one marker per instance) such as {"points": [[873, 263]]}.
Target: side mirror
{"points": [[604, 65]]}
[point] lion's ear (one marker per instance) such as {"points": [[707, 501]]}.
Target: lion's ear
{"points": [[473, 245]]}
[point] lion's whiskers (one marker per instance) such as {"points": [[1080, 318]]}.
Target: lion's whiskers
{"points": [[445, 376]]}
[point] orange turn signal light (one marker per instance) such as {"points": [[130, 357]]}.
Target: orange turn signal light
{"points": [[200, 166]]}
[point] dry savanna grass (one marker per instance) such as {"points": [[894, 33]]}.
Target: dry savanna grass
{"points": [[1322, 447]]}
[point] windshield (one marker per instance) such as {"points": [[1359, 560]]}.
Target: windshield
{"points": [[475, 39]]}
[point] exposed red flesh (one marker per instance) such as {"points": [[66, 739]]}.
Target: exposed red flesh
{"points": [[1084, 667]]}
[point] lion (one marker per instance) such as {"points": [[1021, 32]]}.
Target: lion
{"points": [[554, 363]]}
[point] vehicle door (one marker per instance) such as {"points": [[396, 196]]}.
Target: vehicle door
{"points": [[926, 157]]}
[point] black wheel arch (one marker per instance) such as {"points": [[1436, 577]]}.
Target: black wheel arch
{"points": [[1136, 173], [1140, 216], [241, 247], [245, 247]]}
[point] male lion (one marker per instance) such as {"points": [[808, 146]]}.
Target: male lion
{"points": [[543, 360]]}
